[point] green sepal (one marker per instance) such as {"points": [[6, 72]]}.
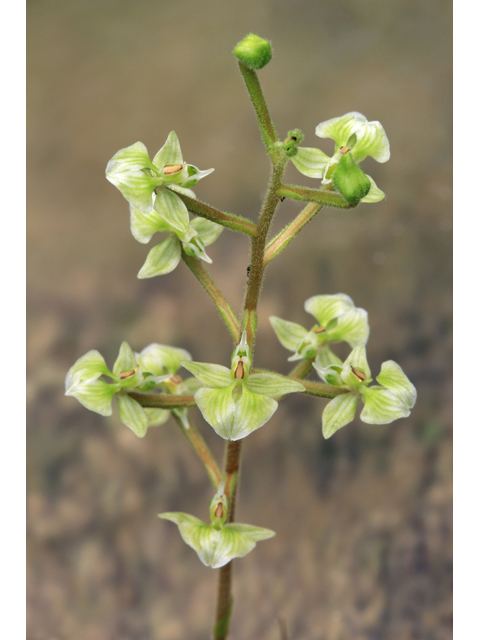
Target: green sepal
{"points": [[144, 225], [132, 172], [161, 259], [161, 359], [95, 395], [170, 153], [125, 361], [207, 230], [338, 413], [290, 334], [350, 180], [172, 209], [215, 376], [89, 367], [325, 357], [217, 546], [358, 360], [156, 417], [273, 385], [194, 175], [252, 411], [391, 377], [351, 326], [133, 415], [310, 162], [327, 307], [375, 194], [253, 51], [382, 406], [218, 408]]}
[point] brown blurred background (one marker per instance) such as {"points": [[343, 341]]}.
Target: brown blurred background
{"points": [[363, 520]]}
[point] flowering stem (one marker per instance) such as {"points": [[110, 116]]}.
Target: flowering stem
{"points": [[236, 223], [224, 599], [214, 292], [322, 390], [283, 239], [201, 448], [158, 401], [320, 196], [254, 89]]}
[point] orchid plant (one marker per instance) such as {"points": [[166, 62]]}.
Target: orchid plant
{"points": [[237, 400]]}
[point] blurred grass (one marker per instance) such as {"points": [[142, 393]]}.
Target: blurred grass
{"points": [[363, 521]]}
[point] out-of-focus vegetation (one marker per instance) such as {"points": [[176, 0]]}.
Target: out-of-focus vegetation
{"points": [[372, 556]]}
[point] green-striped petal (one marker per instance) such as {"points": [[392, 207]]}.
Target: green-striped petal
{"points": [[358, 360], [326, 308], [171, 208], [338, 413], [325, 357], [371, 141], [161, 359], [382, 406], [170, 153], [89, 367], [95, 395], [392, 377], [207, 230], [144, 225], [273, 385], [133, 415], [340, 129], [290, 334], [218, 408], [311, 162], [215, 376], [351, 326], [252, 411], [125, 361], [162, 259]]}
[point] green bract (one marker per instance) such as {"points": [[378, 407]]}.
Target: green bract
{"points": [[164, 257], [391, 399], [131, 371], [233, 401], [151, 185], [354, 136], [338, 320]]}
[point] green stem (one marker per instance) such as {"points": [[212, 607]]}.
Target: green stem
{"points": [[214, 292], [254, 89], [257, 266], [157, 401], [322, 390], [224, 599], [320, 196], [236, 223], [201, 449], [283, 239], [302, 369]]}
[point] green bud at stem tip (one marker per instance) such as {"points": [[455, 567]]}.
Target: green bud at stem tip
{"points": [[253, 51]]}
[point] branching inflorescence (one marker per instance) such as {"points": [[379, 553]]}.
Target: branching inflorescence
{"points": [[240, 399]]}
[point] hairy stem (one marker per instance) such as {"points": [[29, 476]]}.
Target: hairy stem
{"points": [[302, 369], [158, 401], [322, 390], [283, 239], [320, 196], [254, 89], [236, 223], [214, 292], [201, 449], [224, 598]]}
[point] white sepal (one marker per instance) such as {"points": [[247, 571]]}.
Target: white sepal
{"points": [[290, 334], [273, 385], [89, 367], [170, 153], [172, 209], [95, 395], [215, 376], [144, 225], [161, 359], [161, 259], [338, 412], [133, 415], [310, 162]]}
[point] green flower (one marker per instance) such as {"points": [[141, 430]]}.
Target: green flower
{"points": [[164, 257], [86, 382], [355, 139], [233, 401], [217, 543], [338, 320], [391, 399], [150, 185]]}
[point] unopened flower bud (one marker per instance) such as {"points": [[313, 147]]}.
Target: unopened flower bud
{"points": [[253, 51]]}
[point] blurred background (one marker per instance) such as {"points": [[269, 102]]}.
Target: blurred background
{"points": [[363, 520]]}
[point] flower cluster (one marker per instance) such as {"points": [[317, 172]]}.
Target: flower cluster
{"points": [[153, 189], [155, 366], [355, 139]]}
